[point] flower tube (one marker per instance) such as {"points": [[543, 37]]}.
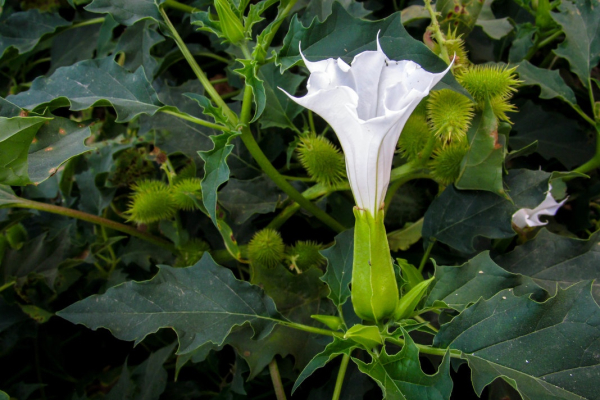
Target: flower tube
{"points": [[367, 104]]}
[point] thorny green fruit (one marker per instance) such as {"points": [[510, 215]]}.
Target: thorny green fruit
{"points": [[266, 248]]}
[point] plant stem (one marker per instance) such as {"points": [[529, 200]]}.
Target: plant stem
{"points": [[7, 285], [437, 32], [592, 100], [595, 161], [549, 39], [340, 377], [195, 120], [421, 319], [94, 219], [210, 89], [427, 349], [88, 22], [426, 255], [276, 378], [281, 16], [175, 5], [309, 329]]}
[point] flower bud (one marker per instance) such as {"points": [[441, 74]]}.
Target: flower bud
{"points": [[231, 26], [367, 335], [408, 302], [331, 321]]}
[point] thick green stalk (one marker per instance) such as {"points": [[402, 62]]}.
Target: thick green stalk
{"points": [[437, 32], [595, 161], [276, 379], [94, 219], [340, 377], [426, 255], [427, 349]]}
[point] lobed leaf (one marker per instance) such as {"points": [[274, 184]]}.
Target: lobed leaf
{"points": [[339, 267], [546, 350], [202, 303]]}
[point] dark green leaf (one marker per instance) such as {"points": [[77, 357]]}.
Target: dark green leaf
{"points": [[8, 109], [343, 36], [580, 21], [105, 44], [201, 303], [127, 12], [551, 259], [545, 350], [243, 199], [458, 217], [124, 388], [339, 267], [478, 278], [249, 71], [321, 9], [297, 296], [41, 255], [95, 197], [23, 30], [136, 43], [16, 135], [280, 111], [69, 48], [333, 349], [57, 141], [522, 43], [216, 171], [208, 108], [481, 168], [496, 28], [400, 376], [92, 82], [557, 136], [11, 315], [150, 376], [403, 238], [7, 196], [141, 252], [550, 82]]}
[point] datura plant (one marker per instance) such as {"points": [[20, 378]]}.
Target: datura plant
{"points": [[272, 199]]}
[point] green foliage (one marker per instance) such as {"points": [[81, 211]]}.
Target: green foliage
{"points": [[153, 169]]}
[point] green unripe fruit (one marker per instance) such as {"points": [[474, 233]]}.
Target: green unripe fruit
{"points": [[306, 254], [446, 162], [450, 114], [151, 201], [266, 248], [414, 136], [186, 193], [191, 252], [322, 160], [488, 81]]}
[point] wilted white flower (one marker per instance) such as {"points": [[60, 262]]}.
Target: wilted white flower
{"points": [[367, 105], [526, 217]]}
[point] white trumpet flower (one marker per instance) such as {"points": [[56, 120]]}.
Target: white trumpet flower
{"points": [[367, 105], [527, 217]]}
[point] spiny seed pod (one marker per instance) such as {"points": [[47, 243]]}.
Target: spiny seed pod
{"points": [[189, 171], [305, 254], [151, 201], [450, 114], [500, 106], [321, 159], [191, 252], [455, 46], [266, 248], [186, 193], [414, 136], [488, 81], [445, 165], [131, 165]]}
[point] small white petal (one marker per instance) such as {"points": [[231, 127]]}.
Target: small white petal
{"points": [[526, 217]]}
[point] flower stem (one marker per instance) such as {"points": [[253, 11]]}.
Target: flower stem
{"points": [[276, 378], [424, 349], [195, 120], [94, 219], [340, 377], [437, 32], [175, 5], [210, 89], [426, 255]]}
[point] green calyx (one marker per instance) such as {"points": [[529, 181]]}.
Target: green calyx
{"points": [[374, 289], [231, 26]]}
